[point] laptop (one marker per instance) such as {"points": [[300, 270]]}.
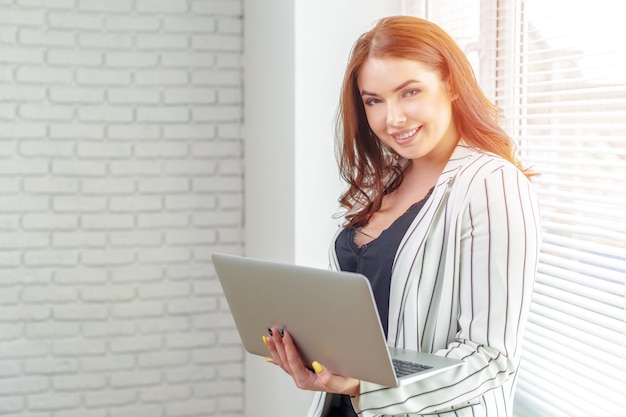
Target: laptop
{"points": [[331, 315]]}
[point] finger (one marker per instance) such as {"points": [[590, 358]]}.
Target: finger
{"points": [[275, 342], [335, 383], [271, 347], [318, 368], [292, 354], [300, 373], [321, 375], [324, 377], [266, 341]]}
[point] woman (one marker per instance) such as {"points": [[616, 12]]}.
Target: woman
{"points": [[440, 216]]}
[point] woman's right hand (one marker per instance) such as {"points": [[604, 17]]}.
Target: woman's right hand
{"points": [[284, 353]]}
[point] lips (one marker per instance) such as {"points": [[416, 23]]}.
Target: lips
{"points": [[405, 136]]}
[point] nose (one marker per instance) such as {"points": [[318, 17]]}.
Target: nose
{"points": [[395, 114]]}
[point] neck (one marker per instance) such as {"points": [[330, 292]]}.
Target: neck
{"points": [[431, 164]]}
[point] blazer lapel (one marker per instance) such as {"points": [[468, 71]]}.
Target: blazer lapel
{"points": [[411, 250]]}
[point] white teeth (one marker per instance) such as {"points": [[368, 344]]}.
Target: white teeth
{"points": [[407, 134]]}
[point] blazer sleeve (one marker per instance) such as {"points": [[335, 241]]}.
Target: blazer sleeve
{"points": [[496, 243]]}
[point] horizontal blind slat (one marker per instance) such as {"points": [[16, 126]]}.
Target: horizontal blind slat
{"points": [[577, 329], [562, 268], [607, 303], [561, 349], [562, 394], [608, 206]]}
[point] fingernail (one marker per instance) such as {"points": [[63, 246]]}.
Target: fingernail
{"points": [[317, 367], [269, 331], [268, 360], [265, 340], [282, 332]]}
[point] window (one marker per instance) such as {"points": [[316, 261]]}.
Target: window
{"points": [[558, 70]]}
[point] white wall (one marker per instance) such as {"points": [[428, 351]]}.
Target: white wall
{"points": [[120, 173], [295, 54]]}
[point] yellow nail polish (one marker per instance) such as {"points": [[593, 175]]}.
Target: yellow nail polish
{"points": [[265, 340], [317, 367]]}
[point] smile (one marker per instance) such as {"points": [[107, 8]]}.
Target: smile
{"points": [[407, 134], [402, 137]]}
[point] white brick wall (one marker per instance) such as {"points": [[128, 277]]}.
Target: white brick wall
{"points": [[120, 173]]}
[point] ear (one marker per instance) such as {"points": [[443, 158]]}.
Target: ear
{"points": [[451, 90]]}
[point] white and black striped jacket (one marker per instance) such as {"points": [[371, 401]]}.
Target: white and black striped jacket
{"points": [[461, 287]]}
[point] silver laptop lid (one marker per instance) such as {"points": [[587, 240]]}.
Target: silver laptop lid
{"points": [[331, 315]]}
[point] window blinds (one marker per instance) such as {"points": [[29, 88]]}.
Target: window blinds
{"points": [[558, 70], [566, 106]]}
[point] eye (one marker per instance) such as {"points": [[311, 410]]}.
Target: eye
{"points": [[371, 101], [411, 92]]}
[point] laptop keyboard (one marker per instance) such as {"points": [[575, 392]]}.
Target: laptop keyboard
{"points": [[404, 368]]}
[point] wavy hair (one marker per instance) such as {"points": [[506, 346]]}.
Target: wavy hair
{"points": [[365, 163]]}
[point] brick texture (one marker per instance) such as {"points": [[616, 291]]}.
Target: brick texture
{"points": [[120, 173]]}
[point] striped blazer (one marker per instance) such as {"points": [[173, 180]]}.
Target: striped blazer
{"points": [[461, 286]]}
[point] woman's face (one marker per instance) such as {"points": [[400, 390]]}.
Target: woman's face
{"points": [[408, 107]]}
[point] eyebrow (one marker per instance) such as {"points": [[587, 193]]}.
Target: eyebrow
{"points": [[398, 88]]}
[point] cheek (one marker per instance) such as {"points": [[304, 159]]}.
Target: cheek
{"points": [[444, 118], [415, 109], [376, 117]]}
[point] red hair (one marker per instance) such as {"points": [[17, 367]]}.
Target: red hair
{"points": [[365, 163]]}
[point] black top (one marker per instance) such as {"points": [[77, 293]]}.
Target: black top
{"points": [[375, 261]]}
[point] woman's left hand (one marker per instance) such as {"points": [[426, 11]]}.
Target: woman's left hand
{"points": [[285, 354]]}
